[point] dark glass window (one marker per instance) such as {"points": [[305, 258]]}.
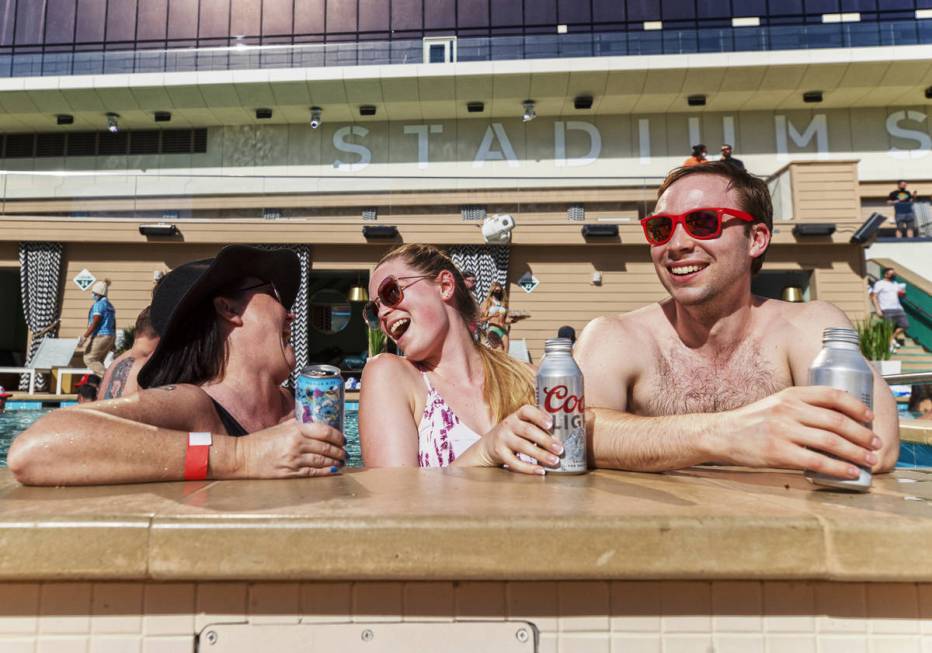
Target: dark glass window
{"points": [[90, 22], [50, 145], [182, 19], [82, 144], [176, 141], [407, 15], [7, 14], [144, 142], [678, 9], [540, 12], [373, 16], [786, 8], [608, 11], [59, 26], [309, 16], [573, 11], [720, 9], [860, 5], [277, 17], [151, 20], [439, 14], [245, 17], [20, 146], [341, 16], [506, 13], [751, 8], [200, 141], [29, 18], [822, 7], [641, 10], [121, 20], [472, 13], [437, 53], [214, 19], [111, 144]]}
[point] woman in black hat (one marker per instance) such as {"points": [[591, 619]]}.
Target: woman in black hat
{"points": [[215, 375]]}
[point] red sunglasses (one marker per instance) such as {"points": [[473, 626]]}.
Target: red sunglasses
{"points": [[701, 224], [390, 293]]}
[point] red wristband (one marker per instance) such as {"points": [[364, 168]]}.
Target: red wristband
{"points": [[197, 456]]}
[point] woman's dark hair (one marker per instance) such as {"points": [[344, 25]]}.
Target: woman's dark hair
{"points": [[196, 354]]}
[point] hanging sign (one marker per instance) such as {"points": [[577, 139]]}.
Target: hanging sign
{"points": [[528, 282], [84, 279]]}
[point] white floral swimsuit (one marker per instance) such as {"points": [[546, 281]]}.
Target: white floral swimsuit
{"points": [[441, 435]]}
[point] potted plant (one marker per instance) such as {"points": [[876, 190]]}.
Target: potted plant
{"points": [[875, 334], [376, 342]]}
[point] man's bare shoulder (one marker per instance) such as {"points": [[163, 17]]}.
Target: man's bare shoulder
{"points": [[631, 334], [635, 323], [806, 316]]}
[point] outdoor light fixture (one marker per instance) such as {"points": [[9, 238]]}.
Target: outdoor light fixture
{"points": [[158, 229], [582, 102], [162, 116], [357, 293], [367, 110], [696, 100], [868, 230], [64, 119], [112, 125], [529, 112], [475, 107], [600, 231], [370, 231], [315, 117], [929, 93], [263, 113], [814, 229], [812, 96]]}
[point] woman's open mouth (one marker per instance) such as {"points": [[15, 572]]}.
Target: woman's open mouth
{"points": [[397, 328]]}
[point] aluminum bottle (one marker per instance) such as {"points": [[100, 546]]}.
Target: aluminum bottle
{"points": [[560, 393], [841, 365], [319, 396]]}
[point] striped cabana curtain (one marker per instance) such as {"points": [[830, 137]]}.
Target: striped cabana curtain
{"points": [[40, 280], [299, 326], [489, 262]]}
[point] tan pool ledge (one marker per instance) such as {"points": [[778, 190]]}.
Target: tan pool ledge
{"points": [[405, 524]]}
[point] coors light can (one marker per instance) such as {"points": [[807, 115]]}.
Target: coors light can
{"points": [[560, 394], [841, 365]]}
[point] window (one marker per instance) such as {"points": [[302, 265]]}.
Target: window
{"points": [[440, 49]]}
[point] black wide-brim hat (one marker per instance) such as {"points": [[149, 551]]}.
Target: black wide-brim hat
{"points": [[191, 284]]}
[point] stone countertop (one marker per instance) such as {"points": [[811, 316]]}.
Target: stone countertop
{"points": [[473, 524]]}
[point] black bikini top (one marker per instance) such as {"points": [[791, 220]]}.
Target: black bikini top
{"points": [[229, 422]]}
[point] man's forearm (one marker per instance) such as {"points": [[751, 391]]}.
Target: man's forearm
{"points": [[620, 440]]}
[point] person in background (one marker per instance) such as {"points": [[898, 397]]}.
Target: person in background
{"points": [[87, 388], [494, 317], [212, 404], [100, 334], [120, 378], [920, 401], [449, 401], [713, 373], [729, 159], [903, 214], [699, 156], [885, 295], [469, 279], [4, 395], [567, 332]]}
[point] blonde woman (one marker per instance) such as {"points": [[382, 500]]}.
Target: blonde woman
{"points": [[495, 318], [449, 401]]}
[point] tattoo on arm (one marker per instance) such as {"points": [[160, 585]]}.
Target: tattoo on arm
{"points": [[117, 383]]}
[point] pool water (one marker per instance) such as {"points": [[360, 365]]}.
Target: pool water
{"points": [[14, 422]]}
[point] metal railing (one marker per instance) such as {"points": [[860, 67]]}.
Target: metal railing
{"points": [[92, 59]]}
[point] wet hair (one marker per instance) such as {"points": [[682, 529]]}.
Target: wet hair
{"points": [[507, 383], [567, 331], [698, 149], [753, 195], [918, 394], [144, 324], [87, 392]]}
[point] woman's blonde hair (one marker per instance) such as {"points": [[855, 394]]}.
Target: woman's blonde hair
{"points": [[507, 383]]}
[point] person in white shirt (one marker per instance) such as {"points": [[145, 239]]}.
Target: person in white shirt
{"points": [[885, 294]]}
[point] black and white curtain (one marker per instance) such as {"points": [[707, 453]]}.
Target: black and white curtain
{"points": [[489, 262], [299, 326], [40, 280]]}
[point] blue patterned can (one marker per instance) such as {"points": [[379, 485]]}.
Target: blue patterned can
{"points": [[319, 396]]}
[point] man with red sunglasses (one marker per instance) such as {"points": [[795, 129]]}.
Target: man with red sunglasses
{"points": [[714, 373]]}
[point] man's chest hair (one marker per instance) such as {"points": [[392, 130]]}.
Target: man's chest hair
{"points": [[689, 382]]}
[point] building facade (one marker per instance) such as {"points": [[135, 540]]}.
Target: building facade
{"points": [[140, 134]]}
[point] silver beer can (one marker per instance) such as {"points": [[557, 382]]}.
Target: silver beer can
{"points": [[841, 365], [560, 394]]}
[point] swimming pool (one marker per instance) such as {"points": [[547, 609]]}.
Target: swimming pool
{"points": [[14, 422]]}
